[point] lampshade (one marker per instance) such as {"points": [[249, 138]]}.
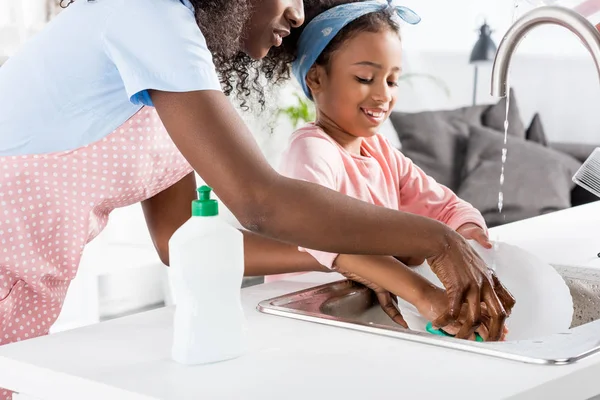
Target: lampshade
{"points": [[485, 49]]}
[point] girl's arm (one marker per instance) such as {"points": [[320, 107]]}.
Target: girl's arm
{"points": [[421, 194], [392, 275], [213, 138], [265, 256], [171, 208]]}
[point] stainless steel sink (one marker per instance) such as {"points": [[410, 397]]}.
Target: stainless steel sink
{"points": [[345, 304]]}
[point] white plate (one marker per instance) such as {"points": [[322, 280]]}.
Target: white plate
{"points": [[544, 305]]}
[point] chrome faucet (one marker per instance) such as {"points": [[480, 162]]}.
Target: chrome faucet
{"points": [[565, 17]]}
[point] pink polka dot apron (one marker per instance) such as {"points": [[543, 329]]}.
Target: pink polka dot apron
{"points": [[52, 205]]}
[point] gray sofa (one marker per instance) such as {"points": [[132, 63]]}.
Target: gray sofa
{"points": [[462, 149]]}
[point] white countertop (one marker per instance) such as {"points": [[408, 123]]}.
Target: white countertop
{"points": [[129, 358]]}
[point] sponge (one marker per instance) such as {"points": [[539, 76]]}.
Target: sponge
{"points": [[429, 327]]}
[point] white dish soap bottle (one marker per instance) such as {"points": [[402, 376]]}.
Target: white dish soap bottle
{"points": [[207, 261]]}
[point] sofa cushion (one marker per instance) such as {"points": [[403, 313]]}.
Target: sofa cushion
{"points": [[435, 141], [495, 116], [473, 115], [537, 178], [535, 132], [580, 151]]}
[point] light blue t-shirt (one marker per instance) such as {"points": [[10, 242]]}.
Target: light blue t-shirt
{"points": [[89, 71]]}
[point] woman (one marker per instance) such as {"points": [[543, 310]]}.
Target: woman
{"points": [[66, 163]]}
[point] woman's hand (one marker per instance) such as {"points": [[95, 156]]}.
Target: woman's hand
{"points": [[471, 231], [434, 303], [468, 279]]}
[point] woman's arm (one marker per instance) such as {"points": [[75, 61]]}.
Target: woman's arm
{"points": [[167, 211], [171, 208], [213, 138]]}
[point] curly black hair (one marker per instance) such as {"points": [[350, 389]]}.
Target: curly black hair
{"points": [[238, 72], [222, 22], [241, 73]]}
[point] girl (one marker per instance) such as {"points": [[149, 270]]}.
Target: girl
{"points": [[67, 159], [349, 63]]}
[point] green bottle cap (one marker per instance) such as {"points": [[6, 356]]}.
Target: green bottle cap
{"points": [[205, 206]]}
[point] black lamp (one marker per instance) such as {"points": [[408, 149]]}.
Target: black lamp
{"points": [[483, 52]]}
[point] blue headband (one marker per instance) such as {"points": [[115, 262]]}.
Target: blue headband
{"points": [[325, 26]]}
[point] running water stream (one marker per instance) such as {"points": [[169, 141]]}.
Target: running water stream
{"points": [[496, 239], [504, 154]]}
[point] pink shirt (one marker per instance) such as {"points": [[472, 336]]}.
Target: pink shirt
{"points": [[381, 175]]}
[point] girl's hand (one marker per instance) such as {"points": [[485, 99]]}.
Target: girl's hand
{"points": [[471, 231]]}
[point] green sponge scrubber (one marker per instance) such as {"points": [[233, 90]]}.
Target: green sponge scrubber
{"points": [[429, 327]]}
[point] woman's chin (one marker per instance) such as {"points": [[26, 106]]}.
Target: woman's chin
{"points": [[256, 52]]}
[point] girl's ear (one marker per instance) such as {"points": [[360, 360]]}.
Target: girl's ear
{"points": [[315, 79]]}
